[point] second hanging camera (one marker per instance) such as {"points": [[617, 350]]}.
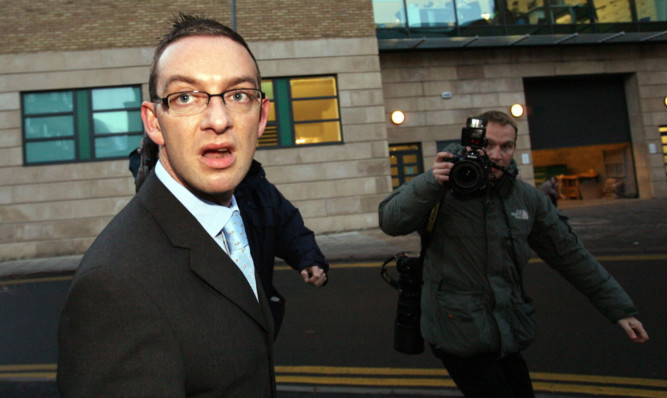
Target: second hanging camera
{"points": [[471, 169]]}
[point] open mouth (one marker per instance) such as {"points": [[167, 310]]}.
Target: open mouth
{"points": [[218, 156], [217, 153]]}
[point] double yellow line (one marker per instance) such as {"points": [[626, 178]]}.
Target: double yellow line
{"points": [[38, 371], [412, 378], [438, 378]]}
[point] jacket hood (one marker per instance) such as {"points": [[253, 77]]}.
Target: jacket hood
{"points": [[253, 177]]}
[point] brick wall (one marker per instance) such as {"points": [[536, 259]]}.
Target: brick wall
{"points": [[73, 25]]}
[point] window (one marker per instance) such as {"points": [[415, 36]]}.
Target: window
{"points": [[440, 18], [406, 163], [304, 111], [663, 140], [81, 125]]}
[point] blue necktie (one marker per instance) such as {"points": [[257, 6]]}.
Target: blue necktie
{"points": [[239, 250]]}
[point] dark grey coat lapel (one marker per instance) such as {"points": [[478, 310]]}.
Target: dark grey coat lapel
{"points": [[207, 259]]}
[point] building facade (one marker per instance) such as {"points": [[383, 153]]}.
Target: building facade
{"points": [[590, 74], [73, 75]]}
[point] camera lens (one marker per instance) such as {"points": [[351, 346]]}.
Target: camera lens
{"points": [[466, 176]]}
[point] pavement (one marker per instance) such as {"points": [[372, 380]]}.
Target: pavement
{"points": [[606, 226]]}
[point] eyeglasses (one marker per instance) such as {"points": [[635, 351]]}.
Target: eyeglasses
{"points": [[187, 103]]}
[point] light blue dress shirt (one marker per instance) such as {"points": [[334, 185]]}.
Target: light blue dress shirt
{"points": [[211, 216]]}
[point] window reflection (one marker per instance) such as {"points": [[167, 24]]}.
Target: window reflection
{"points": [[430, 13], [389, 13], [651, 10], [562, 12], [460, 16], [53, 102], [474, 11]]}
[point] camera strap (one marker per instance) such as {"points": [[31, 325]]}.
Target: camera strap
{"points": [[426, 236], [425, 241]]}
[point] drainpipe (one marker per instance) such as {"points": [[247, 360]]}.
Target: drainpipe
{"points": [[234, 15]]}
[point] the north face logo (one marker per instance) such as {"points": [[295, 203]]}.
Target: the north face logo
{"points": [[520, 214]]}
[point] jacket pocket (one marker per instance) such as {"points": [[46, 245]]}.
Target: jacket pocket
{"points": [[465, 324], [524, 325]]}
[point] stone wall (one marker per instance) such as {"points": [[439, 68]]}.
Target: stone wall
{"points": [[484, 79], [59, 209]]}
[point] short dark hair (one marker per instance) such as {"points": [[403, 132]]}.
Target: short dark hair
{"points": [[501, 118], [185, 25]]}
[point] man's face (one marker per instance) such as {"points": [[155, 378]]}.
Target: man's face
{"points": [[210, 152], [501, 147]]}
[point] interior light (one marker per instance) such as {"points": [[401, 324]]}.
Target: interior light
{"points": [[665, 101], [516, 110], [398, 117]]}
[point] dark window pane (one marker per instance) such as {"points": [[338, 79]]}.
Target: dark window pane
{"points": [[48, 127], [117, 146], [49, 151], [44, 103]]}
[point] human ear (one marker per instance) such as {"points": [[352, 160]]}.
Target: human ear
{"points": [[151, 122], [263, 116]]}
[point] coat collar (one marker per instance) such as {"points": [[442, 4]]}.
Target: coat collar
{"points": [[503, 186], [207, 260]]}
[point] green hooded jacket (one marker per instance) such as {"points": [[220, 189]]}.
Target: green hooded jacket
{"points": [[472, 298]]}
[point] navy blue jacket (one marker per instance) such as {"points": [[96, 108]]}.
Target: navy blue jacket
{"points": [[275, 228]]}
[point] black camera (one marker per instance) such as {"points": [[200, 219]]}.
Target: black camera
{"points": [[407, 334], [471, 169]]}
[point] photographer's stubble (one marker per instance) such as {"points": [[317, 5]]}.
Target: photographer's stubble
{"points": [[500, 149], [501, 146]]}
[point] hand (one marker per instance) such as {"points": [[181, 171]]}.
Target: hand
{"points": [[314, 275], [634, 329], [441, 167]]}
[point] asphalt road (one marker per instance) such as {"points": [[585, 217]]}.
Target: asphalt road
{"points": [[337, 340], [349, 325]]}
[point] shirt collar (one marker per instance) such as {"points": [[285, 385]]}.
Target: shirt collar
{"points": [[211, 216]]}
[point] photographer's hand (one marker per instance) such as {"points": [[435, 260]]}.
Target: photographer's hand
{"points": [[634, 329], [441, 167]]}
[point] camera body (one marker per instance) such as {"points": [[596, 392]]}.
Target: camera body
{"points": [[471, 169], [407, 334]]}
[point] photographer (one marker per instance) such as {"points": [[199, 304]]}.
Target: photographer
{"points": [[475, 314]]}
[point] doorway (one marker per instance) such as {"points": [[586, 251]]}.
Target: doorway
{"points": [[406, 163], [580, 132]]}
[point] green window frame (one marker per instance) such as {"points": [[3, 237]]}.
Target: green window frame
{"points": [[304, 111], [406, 162], [663, 141], [80, 125]]}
